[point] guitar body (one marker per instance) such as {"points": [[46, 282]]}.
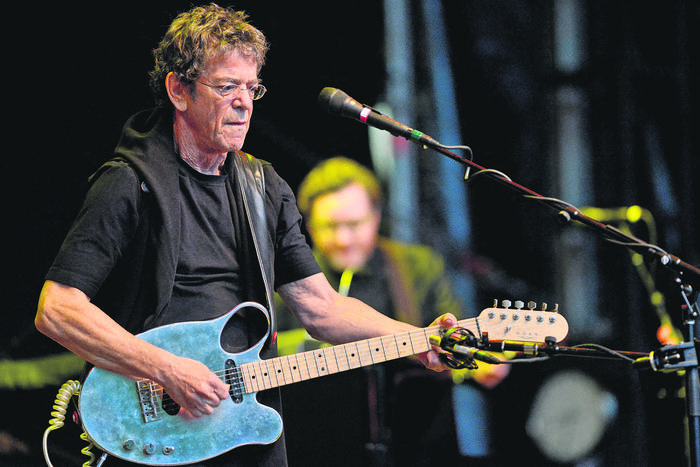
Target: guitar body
{"points": [[112, 410]]}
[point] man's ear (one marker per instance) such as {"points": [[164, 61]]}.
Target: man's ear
{"points": [[177, 91]]}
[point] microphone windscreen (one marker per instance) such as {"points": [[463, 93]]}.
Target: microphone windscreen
{"points": [[327, 101], [337, 102]]}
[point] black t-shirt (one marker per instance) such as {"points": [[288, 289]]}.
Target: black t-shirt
{"points": [[207, 276]]}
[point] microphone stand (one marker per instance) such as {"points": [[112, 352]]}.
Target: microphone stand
{"points": [[681, 357]]}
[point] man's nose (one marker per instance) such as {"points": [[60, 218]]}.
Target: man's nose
{"points": [[343, 234], [242, 100]]}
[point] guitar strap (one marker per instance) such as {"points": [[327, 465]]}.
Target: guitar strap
{"points": [[251, 183]]}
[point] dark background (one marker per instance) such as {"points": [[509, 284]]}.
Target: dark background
{"points": [[77, 72]]}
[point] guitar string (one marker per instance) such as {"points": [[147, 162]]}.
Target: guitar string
{"points": [[262, 368], [237, 378]]}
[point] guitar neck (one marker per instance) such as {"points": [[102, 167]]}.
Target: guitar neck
{"points": [[279, 371]]}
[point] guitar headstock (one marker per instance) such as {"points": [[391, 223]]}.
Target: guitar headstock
{"points": [[522, 323]]}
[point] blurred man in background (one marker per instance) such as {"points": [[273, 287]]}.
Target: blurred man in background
{"points": [[394, 413]]}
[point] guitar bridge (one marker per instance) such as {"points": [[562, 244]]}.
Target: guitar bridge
{"points": [[149, 400]]}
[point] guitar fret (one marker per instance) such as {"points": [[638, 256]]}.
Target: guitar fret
{"points": [[353, 357], [279, 371], [294, 369], [259, 375], [343, 361], [284, 369], [311, 365], [274, 373], [332, 363], [367, 353], [395, 344], [321, 362], [303, 366], [404, 344], [388, 350], [377, 352], [331, 356], [422, 344], [265, 380], [248, 386], [305, 358], [362, 353]]}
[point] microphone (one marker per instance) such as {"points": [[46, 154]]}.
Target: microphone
{"points": [[623, 214], [336, 101]]}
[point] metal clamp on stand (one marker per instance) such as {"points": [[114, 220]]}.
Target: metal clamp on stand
{"points": [[671, 358]]}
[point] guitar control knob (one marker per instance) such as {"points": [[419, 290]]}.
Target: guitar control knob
{"points": [[167, 450], [149, 449], [129, 445]]}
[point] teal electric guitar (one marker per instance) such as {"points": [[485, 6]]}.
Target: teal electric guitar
{"points": [[137, 421]]}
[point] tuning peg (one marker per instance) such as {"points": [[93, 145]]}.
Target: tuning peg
{"points": [[519, 304], [531, 305], [556, 308], [506, 303], [544, 306]]}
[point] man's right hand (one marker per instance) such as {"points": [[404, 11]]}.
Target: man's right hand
{"points": [[194, 387]]}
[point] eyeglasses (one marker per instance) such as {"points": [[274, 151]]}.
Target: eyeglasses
{"points": [[255, 91]]}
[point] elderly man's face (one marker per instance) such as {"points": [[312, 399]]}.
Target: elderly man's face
{"points": [[344, 227], [220, 124]]}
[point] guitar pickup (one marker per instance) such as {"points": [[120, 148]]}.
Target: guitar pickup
{"points": [[233, 379]]}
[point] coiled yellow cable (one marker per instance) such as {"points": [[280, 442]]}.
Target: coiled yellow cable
{"points": [[69, 389]]}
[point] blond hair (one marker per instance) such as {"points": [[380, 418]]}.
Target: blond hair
{"points": [[333, 175]]}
